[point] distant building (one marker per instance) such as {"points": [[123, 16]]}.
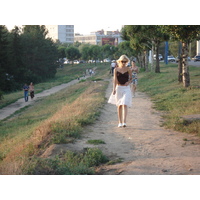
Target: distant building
{"points": [[63, 33], [100, 38]]}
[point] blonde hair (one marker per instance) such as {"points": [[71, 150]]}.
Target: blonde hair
{"points": [[123, 57]]}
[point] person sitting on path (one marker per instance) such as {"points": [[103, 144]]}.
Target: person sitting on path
{"points": [[135, 71], [26, 89], [121, 94]]}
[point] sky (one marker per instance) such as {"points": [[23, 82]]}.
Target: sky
{"points": [[89, 15], [85, 28]]}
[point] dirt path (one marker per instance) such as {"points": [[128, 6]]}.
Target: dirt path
{"points": [[20, 103], [144, 146]]}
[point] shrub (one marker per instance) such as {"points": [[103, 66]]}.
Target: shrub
{"points": [[70, 164]]}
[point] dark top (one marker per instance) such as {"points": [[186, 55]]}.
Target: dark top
{"points": [[122, 78], [26, 87]]}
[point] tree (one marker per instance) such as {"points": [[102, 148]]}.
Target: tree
{"points": [[17, 68], [106, 51], [144, 38], [95, 52], [139, 43], [156, 37], [125, 48], [72, 53], [61, 52], [185, 34], [39, 54], [26, 55], [3, 57], [85, 51]]}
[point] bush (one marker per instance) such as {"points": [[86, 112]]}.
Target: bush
{"points": [[93, 157], [70, 164], [1, 95]]}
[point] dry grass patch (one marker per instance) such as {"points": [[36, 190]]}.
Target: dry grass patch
{"points": [[81, 107]]}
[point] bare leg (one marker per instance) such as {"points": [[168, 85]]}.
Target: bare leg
{"points": [[134, 89], [125, 112], [119, 110]]}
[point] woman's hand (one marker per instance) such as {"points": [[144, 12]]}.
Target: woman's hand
{"points": [[114, 92], [127, 83]]}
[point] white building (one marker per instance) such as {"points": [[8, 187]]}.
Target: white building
{"points": [[63, 33], [99, 37]]}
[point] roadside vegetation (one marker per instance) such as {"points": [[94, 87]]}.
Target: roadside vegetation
{"points": [[56, 119], [171, 98], [60, 118], [63, 75]]}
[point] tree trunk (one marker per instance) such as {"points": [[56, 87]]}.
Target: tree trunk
{"points": [[138, 60], [180, 71], [157, 69], [141, 60], [185, 68], [146, 61], [152, 58], [180, 76]]}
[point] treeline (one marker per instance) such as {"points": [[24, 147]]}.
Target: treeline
{"points": [[144, 38], [86, 52], [26, 55]]}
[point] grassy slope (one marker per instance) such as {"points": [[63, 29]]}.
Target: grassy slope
{"points": [[172, 98], [63, 75], [58, 118]]}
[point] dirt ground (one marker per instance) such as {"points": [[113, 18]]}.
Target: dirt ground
{"points": [[144, 147]]}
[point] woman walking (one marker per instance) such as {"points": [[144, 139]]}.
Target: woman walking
{"points": [[31, 88], [135, 71], [121, 95]]}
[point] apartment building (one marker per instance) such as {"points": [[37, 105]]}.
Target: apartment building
{"points": [[63, 33], [100, 38]]}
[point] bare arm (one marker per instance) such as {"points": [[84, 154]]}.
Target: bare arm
{"points": [[137, 70], [114, 81], [130, 77]]}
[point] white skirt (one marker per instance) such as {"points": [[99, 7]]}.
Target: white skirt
{"points": [[122, 96]]}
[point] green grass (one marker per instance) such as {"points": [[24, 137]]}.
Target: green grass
{"points": [[95, 142], [58, 118], [63, 75], [172, 98], [70, 164]]}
